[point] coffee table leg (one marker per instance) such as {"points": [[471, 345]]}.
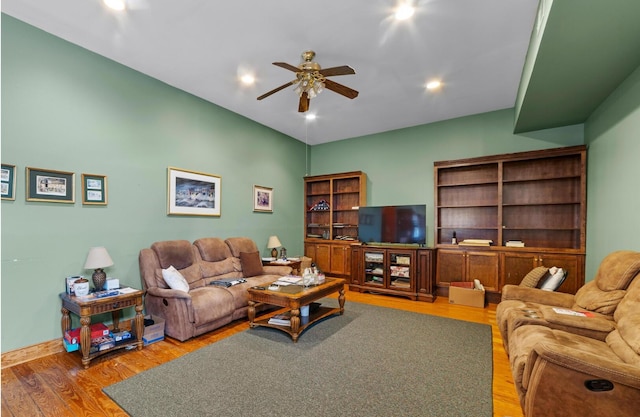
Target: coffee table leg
{"points": [[295, 323], [251, 312], [341, 300]]}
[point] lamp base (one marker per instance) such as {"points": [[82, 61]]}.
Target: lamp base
{"points": [[99, 278], [274, 253]]}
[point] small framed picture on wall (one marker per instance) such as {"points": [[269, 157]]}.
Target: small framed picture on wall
{"points": [[262, 199], [193, 193], [94, 189], [8, 183], [51, 186]]}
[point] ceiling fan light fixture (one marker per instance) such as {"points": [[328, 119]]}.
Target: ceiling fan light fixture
{"points": [[118, 5], [404, 11]]}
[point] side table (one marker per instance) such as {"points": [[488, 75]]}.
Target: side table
{"points": [[295, 265], [85, 307]]}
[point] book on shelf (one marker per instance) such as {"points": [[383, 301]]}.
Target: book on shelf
{"points": [[514, 243], [476, 242]]}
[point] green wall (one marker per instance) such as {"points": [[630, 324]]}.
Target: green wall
{"points": [[399, 164], [613, 212], [65, 108]]}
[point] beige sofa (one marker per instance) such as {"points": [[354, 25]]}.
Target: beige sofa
{"points": [[202, 307], [577, 365]]}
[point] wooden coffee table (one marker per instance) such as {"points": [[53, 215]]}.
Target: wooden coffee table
{"points": [[293, 298]]}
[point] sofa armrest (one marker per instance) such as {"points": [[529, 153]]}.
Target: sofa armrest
{"points": [[564, 382], [277, 270], [535, 295], [583, 362], [167, 293]]}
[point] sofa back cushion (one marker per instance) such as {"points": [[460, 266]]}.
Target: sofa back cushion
{"points": [[241, 244], [617, 270], [212, 249], [592, 298], [176, 253]]}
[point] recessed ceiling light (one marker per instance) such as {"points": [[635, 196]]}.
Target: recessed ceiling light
{"points": [[310, 116], [404, 11], [118, 5], [434, 85], [248, 79]]}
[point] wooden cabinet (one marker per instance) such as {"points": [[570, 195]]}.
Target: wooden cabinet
{"points": [[426, 274], [537, 197], [395, 270], [331, 219], [518, 264], [467, 265]]}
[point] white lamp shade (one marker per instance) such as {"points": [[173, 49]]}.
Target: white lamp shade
{"points": [[98, 258], [274, 242]]}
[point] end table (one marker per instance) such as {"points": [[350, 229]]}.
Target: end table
{"points": [[85, 307]]}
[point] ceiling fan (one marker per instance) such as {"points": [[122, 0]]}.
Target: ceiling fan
{"points": [[311, 79]]}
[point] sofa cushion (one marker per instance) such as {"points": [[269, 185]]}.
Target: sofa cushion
{"points": [[215, 269], [251, 264], [211, 303], [176, 253], [534, 276], [592, 298], [617, 270], [622, 349], [174, 279], [241, 244], [627, 317], [212, 249]]}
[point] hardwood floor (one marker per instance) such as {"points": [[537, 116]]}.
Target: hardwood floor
{"points": [[58, 385]]}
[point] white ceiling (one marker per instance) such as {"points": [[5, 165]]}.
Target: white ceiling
{"points": [[477, 48]]}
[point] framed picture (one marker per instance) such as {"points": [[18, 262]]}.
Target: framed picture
{"points": [[262, 198], [8, 182], [94, 189], [193, 193], [50, 186]]}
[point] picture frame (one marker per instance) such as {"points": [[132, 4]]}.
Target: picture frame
{"points": [[52, 186], [192, 193], [262, 199], [94, 190], [8, 181]]}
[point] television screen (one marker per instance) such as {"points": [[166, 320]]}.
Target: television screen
{"points": [[393, 224]]}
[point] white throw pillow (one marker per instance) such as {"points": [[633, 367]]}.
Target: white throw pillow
{"points": [[553, 282], [174, 279]]}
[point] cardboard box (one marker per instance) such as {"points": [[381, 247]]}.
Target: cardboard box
{"points": [[152, 333], [97, 330], [463, 295], [70, 347]]}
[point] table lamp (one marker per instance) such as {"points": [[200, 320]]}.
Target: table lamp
{"points": [[274, 243], [97, 259]]}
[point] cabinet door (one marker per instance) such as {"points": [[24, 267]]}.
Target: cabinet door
{"points": [[401, 270], [374, 264], [573, 264], [450, 266], [484, 266], [516, 266], [340, 260], [426, 262], [320, 255]]}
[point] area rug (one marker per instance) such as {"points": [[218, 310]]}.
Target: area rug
{"points": [[371, 361]]}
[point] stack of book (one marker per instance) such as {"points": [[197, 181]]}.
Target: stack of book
{"points": [[281, 319], [476, 242], [514, 243]]}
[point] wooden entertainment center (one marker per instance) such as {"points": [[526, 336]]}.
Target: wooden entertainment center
{"points": [[537, 198]]}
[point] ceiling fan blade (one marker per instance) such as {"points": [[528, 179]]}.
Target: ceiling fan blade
{"points": [[286, 66], [340, 89], [304, 102], [341, 70], [275, 90]]}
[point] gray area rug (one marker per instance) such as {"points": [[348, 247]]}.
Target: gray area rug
{"points": [[371, 361]]}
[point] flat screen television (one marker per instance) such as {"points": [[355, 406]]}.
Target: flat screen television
{"points": [[393, 224]]}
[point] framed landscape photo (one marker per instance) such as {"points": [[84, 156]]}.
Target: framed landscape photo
{"points": [[8, 181], [262, 199], [193, 193], [94, 189], [50, 186]]}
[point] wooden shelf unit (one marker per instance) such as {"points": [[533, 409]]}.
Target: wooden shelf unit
{"points": [[330, 229], [538, 197]]}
